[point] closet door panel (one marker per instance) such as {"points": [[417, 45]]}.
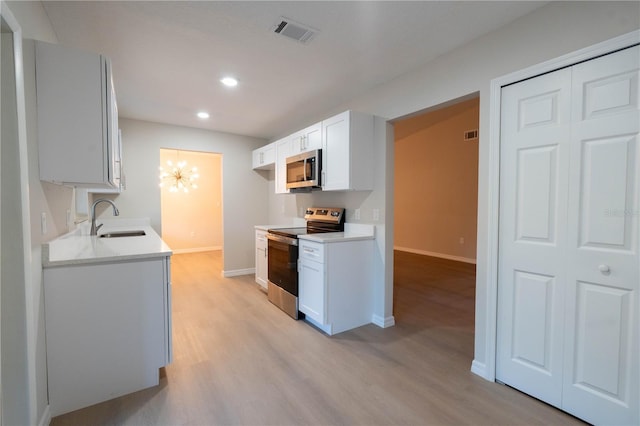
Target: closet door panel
{"points": [[601, 340]]}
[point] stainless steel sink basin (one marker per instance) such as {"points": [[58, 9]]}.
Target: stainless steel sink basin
{"points": [[118, 234]]}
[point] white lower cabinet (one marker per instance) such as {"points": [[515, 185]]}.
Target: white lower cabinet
{"points": [[262, 260], [312, 290], [335, 284], [108, 329]]}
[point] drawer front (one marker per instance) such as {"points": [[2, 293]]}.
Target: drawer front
{"points": [[311, 251]]}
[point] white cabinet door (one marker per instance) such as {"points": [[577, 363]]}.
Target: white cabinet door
{"points": [[107, 330], [77, 117], [568, 329], [312, 279], [335, 153], [264, 158], [307, 139], [347, 152], [113, 132], [312, 296], [261, 257]]}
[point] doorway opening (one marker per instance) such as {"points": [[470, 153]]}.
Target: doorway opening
{"points": [[191, 200], [435, 216]]}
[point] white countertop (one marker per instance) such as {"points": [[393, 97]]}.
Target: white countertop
{"points": [[336, 237], [78, 247]]}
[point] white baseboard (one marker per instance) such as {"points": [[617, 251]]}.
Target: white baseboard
{"points": [[196, 250], [383, 322], [479, 368], [238, 272], [45, 419], [434, 254]]}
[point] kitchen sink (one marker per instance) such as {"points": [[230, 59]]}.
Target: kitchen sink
{"points": [[118, 234]]}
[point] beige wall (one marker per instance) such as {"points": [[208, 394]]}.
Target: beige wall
{"points": [[193, 221], [436, 182]]}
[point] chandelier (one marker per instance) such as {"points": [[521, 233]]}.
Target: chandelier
{"points": [[178, 177]]}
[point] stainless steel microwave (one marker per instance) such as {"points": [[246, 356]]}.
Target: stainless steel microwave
{"points": [[304, 171]]}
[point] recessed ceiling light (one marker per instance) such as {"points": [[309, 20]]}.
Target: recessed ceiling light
{"points": [[229, 81], [203, 114]]}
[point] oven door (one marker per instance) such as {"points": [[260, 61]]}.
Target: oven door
{"points": [[282, 269]]}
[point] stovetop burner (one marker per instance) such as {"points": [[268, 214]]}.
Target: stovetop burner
{"points": [[289, 232], [319, 220]]}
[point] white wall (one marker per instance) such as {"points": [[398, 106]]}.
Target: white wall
{"points": [[244, 191], [549, 32], [51, 199]]}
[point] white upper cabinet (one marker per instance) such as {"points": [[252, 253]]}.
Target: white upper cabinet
{"points": [[264, 158], [346, 141], [118, 170], [347, 152], [307, 139], [77, 118]]}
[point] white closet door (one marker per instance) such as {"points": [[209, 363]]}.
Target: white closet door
{"points": [[601, 341], [535, 137], [569, 268]]}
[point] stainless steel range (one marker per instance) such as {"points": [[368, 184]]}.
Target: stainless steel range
{"points": [[282, 287]]}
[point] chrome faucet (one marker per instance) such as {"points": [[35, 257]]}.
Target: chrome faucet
{"points": [[94, 228]]}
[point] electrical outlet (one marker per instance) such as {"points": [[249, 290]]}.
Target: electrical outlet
{"points": [[69, 222], [376, 214], [461, 240], [43, 223], [193, 234], [357, 214]]}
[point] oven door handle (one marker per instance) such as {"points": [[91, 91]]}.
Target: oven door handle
{"points": [[282, 239]]}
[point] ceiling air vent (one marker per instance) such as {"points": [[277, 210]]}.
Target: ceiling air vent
{"points": [[471, 135], [293, 30]]}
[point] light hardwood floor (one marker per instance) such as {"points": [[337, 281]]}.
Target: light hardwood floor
{"points": [[239, 360]]}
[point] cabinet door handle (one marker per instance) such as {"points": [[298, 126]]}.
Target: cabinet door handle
{"points": [[605, 269]]}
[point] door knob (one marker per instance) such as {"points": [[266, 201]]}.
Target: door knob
{"points": [[604, 269]]}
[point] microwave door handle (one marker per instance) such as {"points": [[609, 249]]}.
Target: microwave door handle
{"points": [[304, 169]]}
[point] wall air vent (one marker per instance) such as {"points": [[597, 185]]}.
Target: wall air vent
{"points": [[471, 135], [293, 30]]}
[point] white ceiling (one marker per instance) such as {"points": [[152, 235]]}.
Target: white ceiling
{"points": [[168, 56]]}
